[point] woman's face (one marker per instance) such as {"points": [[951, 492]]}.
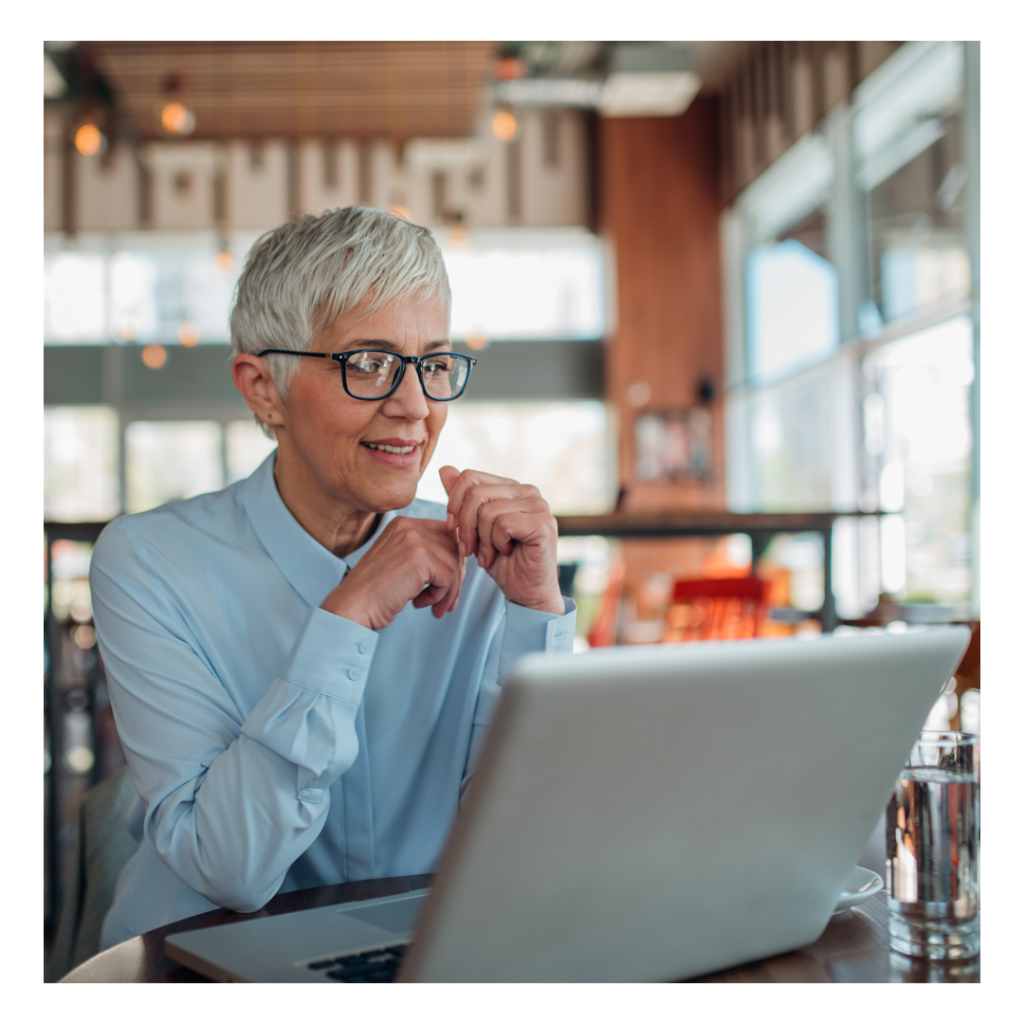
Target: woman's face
{"points": [[333, 442]]}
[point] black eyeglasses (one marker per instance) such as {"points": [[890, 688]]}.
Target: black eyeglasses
{"points": [[372, 374]]}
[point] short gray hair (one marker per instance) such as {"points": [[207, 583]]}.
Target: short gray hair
{"points": [[304, 275]]}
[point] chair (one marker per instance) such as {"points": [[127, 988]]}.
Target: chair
{"points": [[604, 629], [102, 848], [716, 609]]}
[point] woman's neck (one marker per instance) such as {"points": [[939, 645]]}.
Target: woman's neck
{"points": [[341, 530]]}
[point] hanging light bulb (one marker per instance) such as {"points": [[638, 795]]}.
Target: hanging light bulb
{"points": [[89, 140], [177, 119], [504, 125], [154, 356]]}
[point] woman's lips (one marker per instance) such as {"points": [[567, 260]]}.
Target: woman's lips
{"points": [[402, 455]]}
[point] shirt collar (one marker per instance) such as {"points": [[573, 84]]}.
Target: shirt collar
{"points": [[309, 567]]}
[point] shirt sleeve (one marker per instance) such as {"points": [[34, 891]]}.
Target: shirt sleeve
{"points": [[231, 802], [525, 631]]}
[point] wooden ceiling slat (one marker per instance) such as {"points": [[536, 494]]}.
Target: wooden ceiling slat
{"points": [[393, 89]]}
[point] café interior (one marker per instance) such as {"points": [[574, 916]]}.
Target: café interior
{"points": [[723, 297]]}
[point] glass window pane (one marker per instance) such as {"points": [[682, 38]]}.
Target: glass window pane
{"points": [[71, 597], [792, 306], [925, 458], [80, 463], [162, 287], [546, 286], [75, 297], [792, 430], [562, 448], [142, 286], [247, 447], [133, 288], [912, 171], [166, 461], [795, 563], [915, 232]]}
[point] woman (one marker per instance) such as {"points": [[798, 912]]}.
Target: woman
{"points": [[303, 665]]}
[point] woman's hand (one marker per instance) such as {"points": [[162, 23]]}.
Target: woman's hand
{"points": [[510, 529], [414, 560]]}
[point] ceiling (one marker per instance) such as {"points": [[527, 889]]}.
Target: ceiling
{"points": [[393, 89], [260, 89]]}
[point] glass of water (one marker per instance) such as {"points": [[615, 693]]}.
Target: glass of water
{"points": [[933, 836]]}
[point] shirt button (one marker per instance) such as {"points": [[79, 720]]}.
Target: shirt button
{"points": [[354, 673], [363, 646]]}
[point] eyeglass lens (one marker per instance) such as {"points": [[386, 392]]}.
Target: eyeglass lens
{"points": [[372, 374]]}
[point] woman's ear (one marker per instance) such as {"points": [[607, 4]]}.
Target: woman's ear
{"points": [[251, 375]]}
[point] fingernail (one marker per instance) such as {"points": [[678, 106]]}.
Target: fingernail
{"points": [[451, 521]]}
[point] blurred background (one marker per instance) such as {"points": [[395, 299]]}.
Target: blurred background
{"points": [[724, 298]]}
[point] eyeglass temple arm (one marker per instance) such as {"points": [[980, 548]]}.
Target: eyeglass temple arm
{"points": [[291, 352]]}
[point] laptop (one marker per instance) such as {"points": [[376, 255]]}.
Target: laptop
{"points": [[639, 814]]}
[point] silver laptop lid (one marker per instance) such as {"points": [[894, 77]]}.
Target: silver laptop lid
{"points": [[658, 813]]}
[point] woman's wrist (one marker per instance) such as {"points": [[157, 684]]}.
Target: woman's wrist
{"points": [[551, 604], [343, 606]]}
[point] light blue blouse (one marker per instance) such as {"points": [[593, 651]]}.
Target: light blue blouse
{"points": [[276, 746]]}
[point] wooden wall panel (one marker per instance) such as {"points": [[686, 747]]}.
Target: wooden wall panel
{"points": [[660, 207]]}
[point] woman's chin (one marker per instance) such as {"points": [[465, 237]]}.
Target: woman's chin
{"points": [[394, 496]]}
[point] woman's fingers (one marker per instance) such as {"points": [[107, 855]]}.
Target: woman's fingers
{"points": [[461, 500], [448, 597], [525, 562], [444, 589], [532, 507], [511, 526], [413, 560], [480, 497]]}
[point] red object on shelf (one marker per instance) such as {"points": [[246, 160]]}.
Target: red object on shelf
{"points": [[716, 609]]}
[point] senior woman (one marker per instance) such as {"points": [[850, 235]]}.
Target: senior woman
{"points": [[302, 666]]}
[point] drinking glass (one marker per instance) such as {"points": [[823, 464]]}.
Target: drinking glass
{"points": [[933, 834]]}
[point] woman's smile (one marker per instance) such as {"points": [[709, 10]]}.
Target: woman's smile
{"points": [[394, 451]]}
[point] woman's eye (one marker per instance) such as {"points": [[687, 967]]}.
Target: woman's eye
{"points": [[370, 363]]}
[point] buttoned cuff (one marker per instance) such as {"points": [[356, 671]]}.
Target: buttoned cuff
{"points": [[527, 630], [333, 656]]}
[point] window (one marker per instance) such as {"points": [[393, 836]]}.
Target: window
{"points": [[526, 285], [797, 443], [922, 402], [246, 446], [141, 286], [75, 305], [166, 461], [911, 168], [562, 448], [80, 463], [793, 308], [163, 287], [863, 227]]}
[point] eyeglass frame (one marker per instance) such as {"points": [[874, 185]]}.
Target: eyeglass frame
{"points": [[343, 357]]}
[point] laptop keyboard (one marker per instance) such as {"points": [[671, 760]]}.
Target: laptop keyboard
{"points": [[373, 965]]}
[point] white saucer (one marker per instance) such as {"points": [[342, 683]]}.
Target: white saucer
{"points": [[860, 886]]}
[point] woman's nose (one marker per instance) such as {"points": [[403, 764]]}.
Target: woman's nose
{"points": [[408, 400]]}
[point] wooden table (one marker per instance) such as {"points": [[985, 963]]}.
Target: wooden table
{"points": [[853, 948]]}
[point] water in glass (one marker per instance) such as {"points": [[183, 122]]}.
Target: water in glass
{"points": [[933, 836]]}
